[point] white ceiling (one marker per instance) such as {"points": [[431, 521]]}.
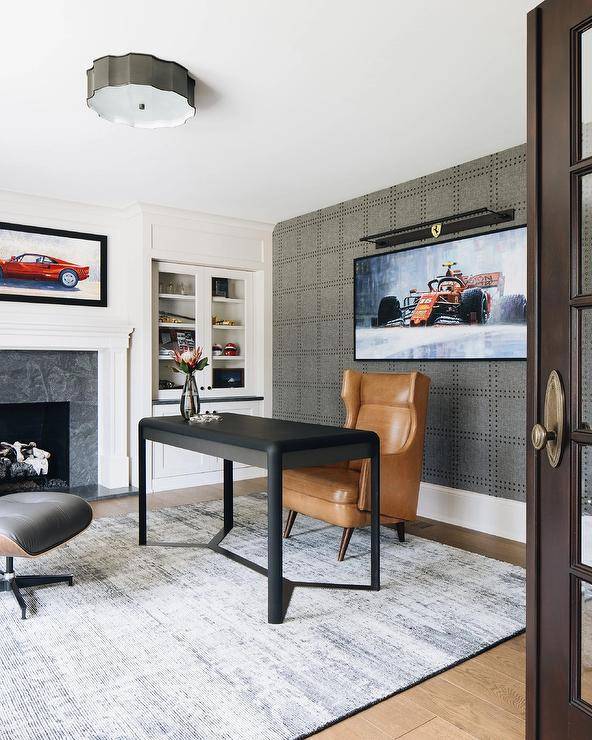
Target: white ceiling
{"points": [[302, 103]]}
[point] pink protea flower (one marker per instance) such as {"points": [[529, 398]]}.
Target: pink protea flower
{"points": [[190, 360]]}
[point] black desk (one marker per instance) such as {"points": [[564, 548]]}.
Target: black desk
{"points": [[275, 445]]}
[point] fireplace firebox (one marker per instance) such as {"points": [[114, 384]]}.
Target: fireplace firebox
{"points": [[47, 425]]}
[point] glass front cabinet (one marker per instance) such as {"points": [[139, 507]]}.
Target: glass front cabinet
{"points": [[207, 307]]}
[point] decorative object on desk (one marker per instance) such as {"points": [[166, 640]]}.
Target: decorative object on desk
{"points": [[204, 418], [220, 287], [40, 265], [217, 350], [228, 378], [189, 362], [231, 350]]}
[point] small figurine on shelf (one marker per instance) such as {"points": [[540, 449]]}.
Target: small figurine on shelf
{"points": [[217, 350], [231, 350], [189, 362], [222, 322]]}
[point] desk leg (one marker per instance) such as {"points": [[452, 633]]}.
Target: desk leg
{"points": [[375, 523], [228, 496], [275, 599], [142, 486]]}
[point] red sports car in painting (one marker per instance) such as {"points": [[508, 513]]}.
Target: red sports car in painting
{"points": [[41, 267]]}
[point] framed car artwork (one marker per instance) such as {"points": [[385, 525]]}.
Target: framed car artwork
{"points": [[461, 299], [40, 265]]}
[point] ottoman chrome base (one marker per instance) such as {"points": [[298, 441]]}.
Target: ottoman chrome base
{"points": [[9, 581]]}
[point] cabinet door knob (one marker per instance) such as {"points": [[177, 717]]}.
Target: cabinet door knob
{"points": [[209, 387], [201, 388]]}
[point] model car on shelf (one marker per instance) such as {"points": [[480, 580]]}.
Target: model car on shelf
{"points": [[453, 298], [30, 266]]}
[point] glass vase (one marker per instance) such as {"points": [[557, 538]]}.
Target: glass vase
{"points": [[189, 398]]}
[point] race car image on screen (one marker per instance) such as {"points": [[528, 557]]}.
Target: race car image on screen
{"points": [[453, 298], [31, 266]]}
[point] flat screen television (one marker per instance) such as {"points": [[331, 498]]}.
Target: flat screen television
{"points": [[463, 299]]}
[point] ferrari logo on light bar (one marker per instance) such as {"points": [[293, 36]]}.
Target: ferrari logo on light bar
{"points": [[436, 230]]}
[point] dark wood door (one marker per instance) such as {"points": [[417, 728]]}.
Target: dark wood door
{"points": [[559, 539]]}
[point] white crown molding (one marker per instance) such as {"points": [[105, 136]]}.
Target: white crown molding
{"points": [[157, 211], [479, 511]]}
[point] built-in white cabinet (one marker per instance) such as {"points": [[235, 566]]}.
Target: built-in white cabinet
{"points": [[207, 307]]}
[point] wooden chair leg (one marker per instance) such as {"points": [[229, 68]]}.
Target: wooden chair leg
{"points": [[401, 531], [289, 523], [345, 538]]}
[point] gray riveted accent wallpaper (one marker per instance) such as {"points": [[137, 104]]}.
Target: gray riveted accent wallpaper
{"points": [[39, 376], [476, 435]]}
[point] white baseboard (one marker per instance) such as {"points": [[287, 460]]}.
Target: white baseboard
{"points": [[478, 511]]}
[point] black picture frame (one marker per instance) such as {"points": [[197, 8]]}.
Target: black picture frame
{"points": [[427, 243], [219, 287], [59, 299]]}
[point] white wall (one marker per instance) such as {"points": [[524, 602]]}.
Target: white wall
{"points": [[137, 235]]}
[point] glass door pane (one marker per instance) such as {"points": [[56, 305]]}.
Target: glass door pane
{"points": [[586, 93], [585, 286], [585, 420], [586, 505], [585, 620]]}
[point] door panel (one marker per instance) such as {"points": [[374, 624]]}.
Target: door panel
{"points": [[559, 603]]}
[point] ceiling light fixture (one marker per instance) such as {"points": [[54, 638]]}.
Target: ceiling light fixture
{"points": [[140, 90]]}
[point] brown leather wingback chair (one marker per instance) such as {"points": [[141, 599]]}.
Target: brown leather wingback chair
{"points": [[394, 405]]}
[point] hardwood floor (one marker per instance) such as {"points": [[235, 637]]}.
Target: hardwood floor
{"points": [[481, 698]]}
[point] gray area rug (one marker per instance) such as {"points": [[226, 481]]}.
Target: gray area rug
{"points": [[173, 642]]}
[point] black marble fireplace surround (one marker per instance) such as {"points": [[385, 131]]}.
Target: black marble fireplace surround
{"points": [[41, 377]]}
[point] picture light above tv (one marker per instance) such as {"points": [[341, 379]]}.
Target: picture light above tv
{"points": [[462, 299]]}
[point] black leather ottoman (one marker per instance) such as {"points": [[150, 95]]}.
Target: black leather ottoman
{"points": [[31, 524]]}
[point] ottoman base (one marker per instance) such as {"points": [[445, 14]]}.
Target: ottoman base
{"points": [[9, 581]]}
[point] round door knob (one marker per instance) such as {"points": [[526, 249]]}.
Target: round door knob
{"points": [[540, 436]]}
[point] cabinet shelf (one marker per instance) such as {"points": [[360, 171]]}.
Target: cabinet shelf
{"points": [[226, 328], [176, 326], [227, 358], [177, 296], [219, 299]]}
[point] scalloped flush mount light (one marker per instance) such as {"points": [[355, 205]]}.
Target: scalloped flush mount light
{"points": [[140, 90]]}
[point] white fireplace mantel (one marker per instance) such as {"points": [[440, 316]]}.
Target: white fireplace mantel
{"points": [[110, 339]]}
